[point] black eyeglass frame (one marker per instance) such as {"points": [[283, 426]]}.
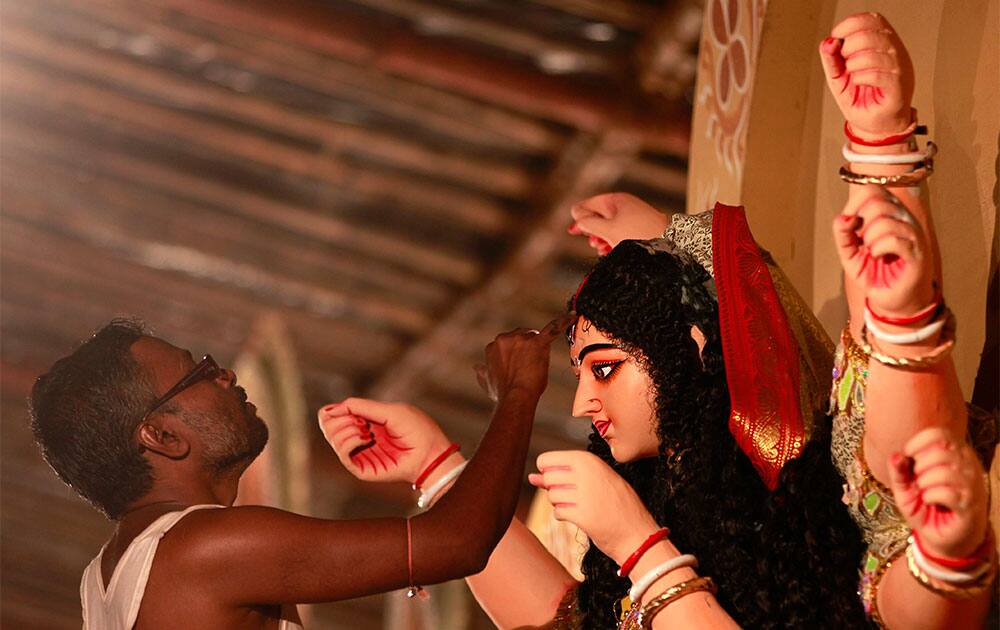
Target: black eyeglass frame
{"points": [[207, 368]]}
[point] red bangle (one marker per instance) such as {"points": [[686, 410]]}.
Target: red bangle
{"points": [[980, 555], [422, 477], [654, 538], [882, 142], [922, 314], [911, 129]]}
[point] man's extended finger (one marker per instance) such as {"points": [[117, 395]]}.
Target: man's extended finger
{"points": [[558, 325], [481, 375]]}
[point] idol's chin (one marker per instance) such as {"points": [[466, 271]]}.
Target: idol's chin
{"points": [[620, 455], [624, 455]]}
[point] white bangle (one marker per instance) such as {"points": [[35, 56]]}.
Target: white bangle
{"points": [[907, 338], [949, 576], [428, 495], [640, 587], [892, 158]]}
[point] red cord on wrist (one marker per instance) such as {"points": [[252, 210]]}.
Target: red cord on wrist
{"points": [[422, 477], [630, 563], [921, 315], [979, 556]]}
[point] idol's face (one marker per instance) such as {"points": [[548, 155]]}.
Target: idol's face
{"points": [[614, 392]]}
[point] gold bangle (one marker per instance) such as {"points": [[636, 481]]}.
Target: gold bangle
{"points": [[924, 170], [956, 592], [645, 617], [935, 356]]}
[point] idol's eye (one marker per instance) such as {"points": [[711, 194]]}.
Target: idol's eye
{"points": [[604, 370]]}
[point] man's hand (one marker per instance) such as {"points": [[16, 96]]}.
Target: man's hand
{"points": [[940, 489], [379, 441], [519, 360], [611, 218], [586, 492], [870, 75], [884, 249]]}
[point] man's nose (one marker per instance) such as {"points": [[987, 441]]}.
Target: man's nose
{"points": [[227, 376]]}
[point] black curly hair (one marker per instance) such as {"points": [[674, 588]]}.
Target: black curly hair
{"points": [[783, 559], [84, 412]]}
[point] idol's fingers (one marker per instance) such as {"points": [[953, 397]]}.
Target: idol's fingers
{"points": [[860, 42], [845, 237], [860, 22]]}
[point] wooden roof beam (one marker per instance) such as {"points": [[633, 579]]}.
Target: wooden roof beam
{"points": [[401, 52], [182, 46]]}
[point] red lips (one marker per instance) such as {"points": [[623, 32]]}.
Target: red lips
{"points": [[602, 426]]}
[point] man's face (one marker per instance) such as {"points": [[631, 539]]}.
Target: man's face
{"points": [[227, 430], [614, 392]]}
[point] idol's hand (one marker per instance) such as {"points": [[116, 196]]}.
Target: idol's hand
{"points": [[940, 488], [884, 249], [586, 492], [611, 218], [519, 360], [870, 75], [379, 441]]}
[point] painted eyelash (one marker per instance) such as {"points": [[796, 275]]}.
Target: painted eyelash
{"points": [[596, 367]]}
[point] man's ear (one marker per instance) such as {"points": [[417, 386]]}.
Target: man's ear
{"points": [[163, 437], [699, 338]]}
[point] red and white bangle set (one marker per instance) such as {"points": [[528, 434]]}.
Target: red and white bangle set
{"points": [[640, 586], [427, 495], [922, 161], [957, 578], [936, 309]]}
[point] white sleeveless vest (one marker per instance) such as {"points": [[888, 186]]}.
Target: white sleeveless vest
{"points": [[117, 607]]}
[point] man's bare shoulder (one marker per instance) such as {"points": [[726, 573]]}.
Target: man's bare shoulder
{"points": [[212, 537]]}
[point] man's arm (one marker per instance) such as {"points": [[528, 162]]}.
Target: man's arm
{"points": [[257, 555]]}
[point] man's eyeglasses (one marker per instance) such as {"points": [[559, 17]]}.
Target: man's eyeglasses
{"points": [[206, 369]]}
